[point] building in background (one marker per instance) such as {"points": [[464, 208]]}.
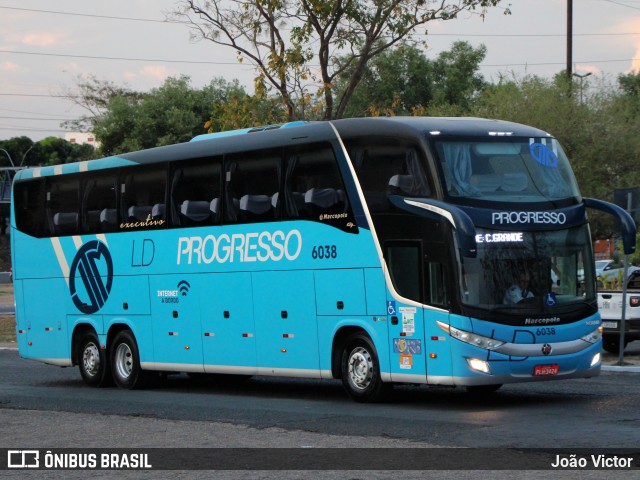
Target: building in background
{"points": [[82, 138]]}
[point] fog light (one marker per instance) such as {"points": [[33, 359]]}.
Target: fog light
{"points": [[596, 359], [479, 365]]}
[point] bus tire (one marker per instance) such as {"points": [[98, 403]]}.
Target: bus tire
{"points": [[361, 370], [125, 362], [93, 361]]}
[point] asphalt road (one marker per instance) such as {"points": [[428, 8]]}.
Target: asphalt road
{"points": [[592, 413]]}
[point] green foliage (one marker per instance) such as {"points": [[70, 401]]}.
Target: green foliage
{"points": [[634, 258], [241, 110], [172, 113], [403, 81], [48, 151], [281, 39]]}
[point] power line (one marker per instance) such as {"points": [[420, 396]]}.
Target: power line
{"points": [[32, 95], [236, 63], [33, 129], [558, 63], [38, 119], [108, 17], [34, 113], [151, 20], [621, 4], [127, 59], [525, 34]]}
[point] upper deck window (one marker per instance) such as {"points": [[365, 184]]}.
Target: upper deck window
{"points": [[505, 169], [388, 168]]}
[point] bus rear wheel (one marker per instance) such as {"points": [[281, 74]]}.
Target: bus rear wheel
{"points": [[361, 370], [125, 362], [93, 362]]}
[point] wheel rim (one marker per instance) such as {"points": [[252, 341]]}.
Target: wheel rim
{"points": [[123, 361], [91, 359], [360, 368]]}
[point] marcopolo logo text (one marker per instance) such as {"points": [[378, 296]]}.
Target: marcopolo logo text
{"points": [[240, 247]]}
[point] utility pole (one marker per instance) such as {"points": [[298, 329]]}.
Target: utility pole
{"points": [[569, 40]]}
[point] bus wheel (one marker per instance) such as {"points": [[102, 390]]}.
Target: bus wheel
{"points": [[93, 362], [361, 370], [483, 389], [125, 362]]}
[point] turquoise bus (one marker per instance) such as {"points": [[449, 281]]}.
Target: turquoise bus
{"points": [[438, 251]]}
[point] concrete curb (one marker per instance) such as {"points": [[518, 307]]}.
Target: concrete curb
{"points": [[621, 368]]}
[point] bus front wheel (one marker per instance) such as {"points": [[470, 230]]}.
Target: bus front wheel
{"points": [[93, 362], [361, 370], [125, 362]]}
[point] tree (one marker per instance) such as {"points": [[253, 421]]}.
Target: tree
{"points": [[48, 151], [94, 95], [396, 81], [54, 151], [15, 150], [457, 80], [172, 113], [403, 81], [283, 38], [630, 84]]}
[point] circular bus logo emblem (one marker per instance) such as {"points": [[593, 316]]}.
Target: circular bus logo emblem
{"points": [[543, 155], [91, 277]]}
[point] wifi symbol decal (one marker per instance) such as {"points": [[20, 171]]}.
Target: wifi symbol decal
{"points": [[184, 287]]}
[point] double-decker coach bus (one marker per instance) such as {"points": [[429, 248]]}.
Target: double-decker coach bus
{"points": [[442, 251]]}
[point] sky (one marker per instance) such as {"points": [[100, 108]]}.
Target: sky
{"points": [[46, 46]]}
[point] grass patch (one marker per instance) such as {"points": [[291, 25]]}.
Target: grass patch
{"points": [[7, 328]]}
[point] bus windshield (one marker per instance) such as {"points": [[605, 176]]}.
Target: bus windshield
{"points": [[529, 272], [505, 169]]}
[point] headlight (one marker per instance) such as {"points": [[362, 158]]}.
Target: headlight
{"points": [[471, 338], [593, 337]]}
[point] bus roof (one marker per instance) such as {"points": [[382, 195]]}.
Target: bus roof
{"points": [[293, 132], [463, 126]]}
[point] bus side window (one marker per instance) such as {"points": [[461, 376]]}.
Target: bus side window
{"points": [[313, 185], [99, 204], [143, 197], [252, 187], [62, 207], [29, 202], [196, 192], [388, 168]]}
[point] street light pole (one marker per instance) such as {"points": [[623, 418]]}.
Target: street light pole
{"points": [[8, 156], [581, 77], [25, 154], [569, 39]]}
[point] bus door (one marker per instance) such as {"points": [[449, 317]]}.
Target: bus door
{"points": [[437, 290], [405, 320]]}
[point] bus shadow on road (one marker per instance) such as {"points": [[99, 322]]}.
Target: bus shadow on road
{"points": [[518, 395]]}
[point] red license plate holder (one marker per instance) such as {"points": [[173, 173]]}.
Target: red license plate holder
{"points": [[545, 370]]}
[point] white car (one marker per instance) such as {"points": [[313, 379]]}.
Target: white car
{"points": [[608, 271]]}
